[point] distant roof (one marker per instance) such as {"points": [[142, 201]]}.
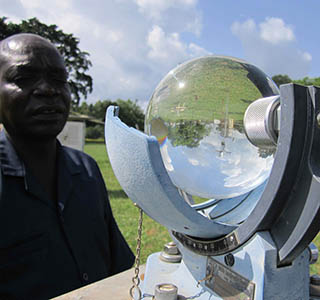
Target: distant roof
{"points": [[74, 116]]}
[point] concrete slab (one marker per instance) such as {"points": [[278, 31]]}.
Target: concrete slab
{"points": [[112, 288]]}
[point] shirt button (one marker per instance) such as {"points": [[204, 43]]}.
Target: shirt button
{"points": [[85, 276]]}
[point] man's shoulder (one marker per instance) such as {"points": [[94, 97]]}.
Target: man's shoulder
{"points": [[77, 155], [76, 159]]}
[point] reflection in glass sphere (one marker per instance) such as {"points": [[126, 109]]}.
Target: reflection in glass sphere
{"points": [[196, 114]]}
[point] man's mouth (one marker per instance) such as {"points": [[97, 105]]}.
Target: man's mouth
{"points": [[48, 110], [48, 113]]}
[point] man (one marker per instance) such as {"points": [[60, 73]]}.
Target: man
{"points": [[57, 232]]}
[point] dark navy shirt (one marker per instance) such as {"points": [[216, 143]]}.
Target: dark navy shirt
{"points": [[46, 248]]}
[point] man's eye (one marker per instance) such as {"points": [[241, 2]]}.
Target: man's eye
{"points": [[59, 79], [23, 80]]}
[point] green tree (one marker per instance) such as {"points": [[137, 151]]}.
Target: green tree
{"points": [[188, 133], [130, 112], [100, 107], [281, 79], [77, 61], [308, 81], [94, 132], [83, 108]]}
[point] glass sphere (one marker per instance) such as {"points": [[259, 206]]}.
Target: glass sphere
{"points": [[196, 113]]}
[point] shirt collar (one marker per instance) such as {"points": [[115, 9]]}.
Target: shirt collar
{"points": [[12, 165]]}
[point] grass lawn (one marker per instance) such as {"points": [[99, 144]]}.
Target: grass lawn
{"points": [[126, 214], [208, 91]]}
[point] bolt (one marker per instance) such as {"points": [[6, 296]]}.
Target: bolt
{"points": [[170, 253], [229, 260], [171, 248]]}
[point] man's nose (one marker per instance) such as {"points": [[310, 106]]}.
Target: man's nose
{"points": [[44, 88]]}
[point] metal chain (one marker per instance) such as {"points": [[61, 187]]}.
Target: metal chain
{"points": [[135, 278], [185, 298], [204, 279]]}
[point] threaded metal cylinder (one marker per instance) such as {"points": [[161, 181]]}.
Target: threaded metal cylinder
{"points": [[166, 291], [261, 122]]}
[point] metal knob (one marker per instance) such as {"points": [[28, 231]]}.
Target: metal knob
{"points": [[261, 122], [315, 286], [166, 291], [315, 279]]}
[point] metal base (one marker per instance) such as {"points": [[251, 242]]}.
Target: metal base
{"points": [[249, 272]]}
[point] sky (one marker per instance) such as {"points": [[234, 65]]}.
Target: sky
{"points": [[133, 44]]}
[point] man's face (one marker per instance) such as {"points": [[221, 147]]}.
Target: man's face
{"points": [[34, 93]]}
